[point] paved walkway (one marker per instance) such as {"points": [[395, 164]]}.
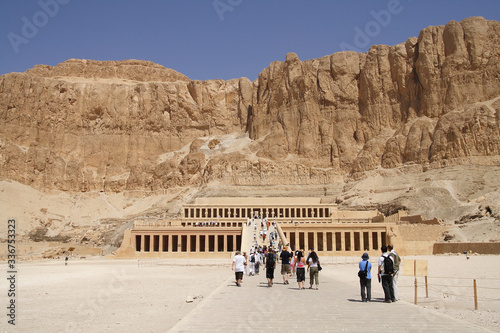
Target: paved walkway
{"points": [[335, 307]]}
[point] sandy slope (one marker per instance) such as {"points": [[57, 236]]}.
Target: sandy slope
{"points": [[467, 198]]}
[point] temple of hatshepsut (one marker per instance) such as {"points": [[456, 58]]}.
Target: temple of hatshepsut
{"points": [[217, 227]]}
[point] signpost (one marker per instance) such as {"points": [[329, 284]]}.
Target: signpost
{"points": [[416, 268]]}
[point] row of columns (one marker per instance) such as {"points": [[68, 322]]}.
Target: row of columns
{"points": [[336, 241], [356, 241], [239, 212], [189, 242]]}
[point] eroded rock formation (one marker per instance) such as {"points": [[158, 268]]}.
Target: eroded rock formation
{"points": [[134, 125]]}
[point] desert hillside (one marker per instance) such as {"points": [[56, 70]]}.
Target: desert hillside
{"points": [[86, 146]]}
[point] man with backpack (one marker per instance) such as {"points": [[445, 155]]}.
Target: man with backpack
{"points": [[397, 262], [386, 271], [270, 266]]}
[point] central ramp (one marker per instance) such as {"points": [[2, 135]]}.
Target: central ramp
{"points": [[251, 234]]}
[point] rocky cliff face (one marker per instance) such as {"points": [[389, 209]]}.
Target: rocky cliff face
{"points": [[134, 125], [409, 103]]}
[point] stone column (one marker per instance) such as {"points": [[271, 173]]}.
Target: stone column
{"points": [[169, 240], [315, 245], [216, 243], [143, 242], [188, 243], [342, 241], [160, 243], [306, 241], [151, 243], [324, 241], [197, 243], [352, 240]]}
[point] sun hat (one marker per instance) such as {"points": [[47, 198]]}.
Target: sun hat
{"points": [[365, 256]]}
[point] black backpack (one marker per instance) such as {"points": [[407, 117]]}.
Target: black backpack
{"points": [[388, 265], [270, 260], [252, 258]]}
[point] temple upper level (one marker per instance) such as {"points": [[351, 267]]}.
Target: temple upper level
{"points": [[279, 208]]}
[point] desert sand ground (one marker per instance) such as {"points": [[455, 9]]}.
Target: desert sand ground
{"points": [[98, 295], [450, 285]]}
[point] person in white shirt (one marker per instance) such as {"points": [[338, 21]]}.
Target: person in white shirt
{"points": [[251, 265], [397, 262], [386, 276], [238, 266]]}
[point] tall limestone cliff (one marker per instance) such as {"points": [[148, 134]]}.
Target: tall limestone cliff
{"points": [[133, 125], [412, 102]]}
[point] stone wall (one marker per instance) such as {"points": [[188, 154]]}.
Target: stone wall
{"points": [[480, 248]]}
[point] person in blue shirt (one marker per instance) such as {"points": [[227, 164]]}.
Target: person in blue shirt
{"points": [[365, 281]]}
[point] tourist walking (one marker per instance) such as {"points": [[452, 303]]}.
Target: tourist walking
{"points": [[238, 266], [270, 266], [385, 271], [312, 266], [245, 271], [285, 257], [252, 264], [397, 261], [258, 261], [300, 264], [365, 278]]}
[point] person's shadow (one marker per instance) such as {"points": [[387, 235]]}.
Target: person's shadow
{"points": [[373, 300]]}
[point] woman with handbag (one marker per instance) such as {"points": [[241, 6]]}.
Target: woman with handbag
{"points": [[365, 278], [312, 267]]}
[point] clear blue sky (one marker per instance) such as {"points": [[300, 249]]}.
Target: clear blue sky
{"points": [[207, 39]]}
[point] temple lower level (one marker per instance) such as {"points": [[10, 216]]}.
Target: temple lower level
{"points": [[217, 227]]}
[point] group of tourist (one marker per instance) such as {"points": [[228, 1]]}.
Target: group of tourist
{"points": [[291, 264], [388, 272], [210, 223], [264, 229], [296, 264]]}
